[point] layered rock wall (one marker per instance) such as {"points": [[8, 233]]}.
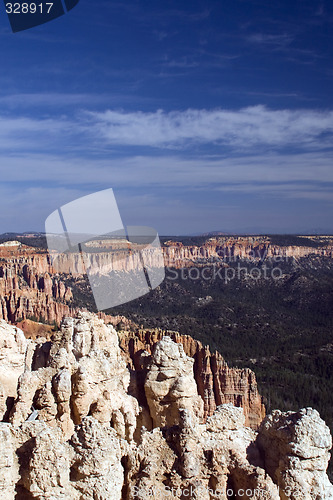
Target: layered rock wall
{"points": [[31, 286], [216, 383]]}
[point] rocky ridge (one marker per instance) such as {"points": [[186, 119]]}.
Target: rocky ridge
{"points": [[27, 290], [33, 283], [217, 383], [78, 427], [230, 249]]}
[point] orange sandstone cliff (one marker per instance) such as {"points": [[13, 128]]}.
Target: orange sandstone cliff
{"points": [[216, 382]]}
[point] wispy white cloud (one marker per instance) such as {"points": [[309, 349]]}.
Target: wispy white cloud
{"points": [[187, 194], [201, 58], [182, 62], [245, 128], [27, 134], [47, 162], [286, 44], [241, 131]]}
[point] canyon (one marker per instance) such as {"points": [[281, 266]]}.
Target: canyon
{"points": [[36, 296], [30, 288], [33, 281], [216, 383], [28, 291]]}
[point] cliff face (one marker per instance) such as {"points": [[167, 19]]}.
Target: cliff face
{"points": [[216, 383], [175, 255], [230, 249], [13, 348], [29, 289], [76, 428], [30, 283]]}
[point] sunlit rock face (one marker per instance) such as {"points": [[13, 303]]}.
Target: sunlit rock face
{"points": [[81, 374], [216, 382], [13, 349], [30, 285], [79, 427], [170, 384], [296, 448]]}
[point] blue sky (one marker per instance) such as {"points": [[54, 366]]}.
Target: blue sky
{"points": [[201, 115]]}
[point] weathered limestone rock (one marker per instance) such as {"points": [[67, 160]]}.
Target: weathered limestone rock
{"points": [[86, 467], [216, 383], [237, 386], [85, 441], [196, 460], [9, 467], [96, 469], [150, 466], [13, 347], [83, 374], [296, 447], [48, 472], [170, 384]]}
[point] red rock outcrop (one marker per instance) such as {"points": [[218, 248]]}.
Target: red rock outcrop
{"points": [[220, 249], [216, 382], [229, 249], [30, 289]]}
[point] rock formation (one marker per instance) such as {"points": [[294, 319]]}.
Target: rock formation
{"points": [[76, 427], [295, 447], [80, 373], [13, 348], [233, 248], [31, 281], [216, 383], [29, 288], [170, 385]]}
